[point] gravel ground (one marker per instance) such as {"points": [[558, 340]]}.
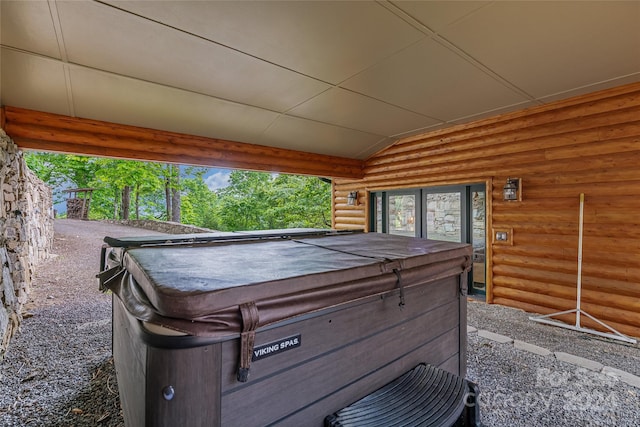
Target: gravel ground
{"points": [[520, 388], [59, 370]]}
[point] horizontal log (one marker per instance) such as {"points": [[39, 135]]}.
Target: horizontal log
{"points": [[532, 250], [356, 212], [87, 127], [45, 131], [526, 239], [341, 226], [618, 283], [550, 114], [350, 220], [623, 145], [556, 216], [595, 274], [518, 165], [535, 205], [582, 137], [596, 189], [543, 288], [542, 228], [551, 180], [544, 276], [600, 255], [568, 266], [606, 314]]}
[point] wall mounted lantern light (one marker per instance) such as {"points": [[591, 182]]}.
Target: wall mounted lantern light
{"points": [[510, 189], [352, 198]]}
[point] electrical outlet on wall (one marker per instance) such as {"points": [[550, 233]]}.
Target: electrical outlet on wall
{"points": [[503, 236]]}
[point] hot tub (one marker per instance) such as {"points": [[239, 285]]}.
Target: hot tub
{"points": [[277, 328]]}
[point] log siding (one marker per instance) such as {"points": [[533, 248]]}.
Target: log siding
{"points": [[588, 144]]}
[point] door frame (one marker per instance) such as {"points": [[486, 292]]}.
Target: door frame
{"points": [[466, 232]]}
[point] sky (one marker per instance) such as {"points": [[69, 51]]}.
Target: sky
{"points": [[217, 178]]}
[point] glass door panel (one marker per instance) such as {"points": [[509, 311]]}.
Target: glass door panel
{"points": [[378, 213], [453, 213], [402, 214], [444, 216], [478, 239]]}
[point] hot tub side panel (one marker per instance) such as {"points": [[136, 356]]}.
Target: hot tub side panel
{"points": [[345, 354], [164, 386], [182, 386], [130, 359]]}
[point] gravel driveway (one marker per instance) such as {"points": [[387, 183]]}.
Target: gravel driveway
{"points": [[59, 370]]}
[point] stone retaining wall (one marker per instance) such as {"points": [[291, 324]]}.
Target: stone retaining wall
{"points": [[26, 234], [162, 226]]}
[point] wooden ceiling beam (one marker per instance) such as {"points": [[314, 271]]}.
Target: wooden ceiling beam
{"points": [[37, 130]]}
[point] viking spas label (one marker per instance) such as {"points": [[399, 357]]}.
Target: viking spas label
{"points": [[276, 347]]}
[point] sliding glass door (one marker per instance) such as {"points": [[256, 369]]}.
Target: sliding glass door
{"points": [[451, 213]]}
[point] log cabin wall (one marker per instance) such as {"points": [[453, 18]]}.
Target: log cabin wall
{"points": [[588, 144]]}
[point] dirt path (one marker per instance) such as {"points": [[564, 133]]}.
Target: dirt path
{"points": [[58, 369]]}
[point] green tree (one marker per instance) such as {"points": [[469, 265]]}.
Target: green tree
{"points": [[62, 170], [125, 188], [199, 204], [258, 201], [120, 180]]}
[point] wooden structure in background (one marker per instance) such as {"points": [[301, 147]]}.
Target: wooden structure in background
{"points": [[79, 203], [588, 144]]}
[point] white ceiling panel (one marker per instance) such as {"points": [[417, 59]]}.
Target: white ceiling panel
{"points": [[633, 78], [345, 78], [436, 15], [118, 99], [327, 40], [33, 82], [348, 109], [552, 47], [431, 80], [101, 37], [497, 111], [297, 134], [28, 25]]}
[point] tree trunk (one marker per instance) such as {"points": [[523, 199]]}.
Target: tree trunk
{"points": [[167, 193], [175, 196], [116, 203], [137, 201], [126, 201]]}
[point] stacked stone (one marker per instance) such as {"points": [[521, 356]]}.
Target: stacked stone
{"points": [[26, 234]]}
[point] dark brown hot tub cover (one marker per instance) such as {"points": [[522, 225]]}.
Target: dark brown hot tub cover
{"points": [[205, 288]]}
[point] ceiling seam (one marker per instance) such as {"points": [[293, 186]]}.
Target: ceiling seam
{"points": [[333, 85], [57, 27], [438, 38], [213, 42], [480, 66], [69, 65]]}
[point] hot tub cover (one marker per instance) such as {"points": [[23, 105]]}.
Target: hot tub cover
{"points": [[223, 285]]}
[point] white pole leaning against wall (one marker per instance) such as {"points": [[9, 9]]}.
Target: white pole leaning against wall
{"points": [[546, 319]]}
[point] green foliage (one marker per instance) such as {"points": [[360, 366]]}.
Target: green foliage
{"points": [[260, 201], [62, 170], [199, 204], [251, 201], [111, 178]]}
